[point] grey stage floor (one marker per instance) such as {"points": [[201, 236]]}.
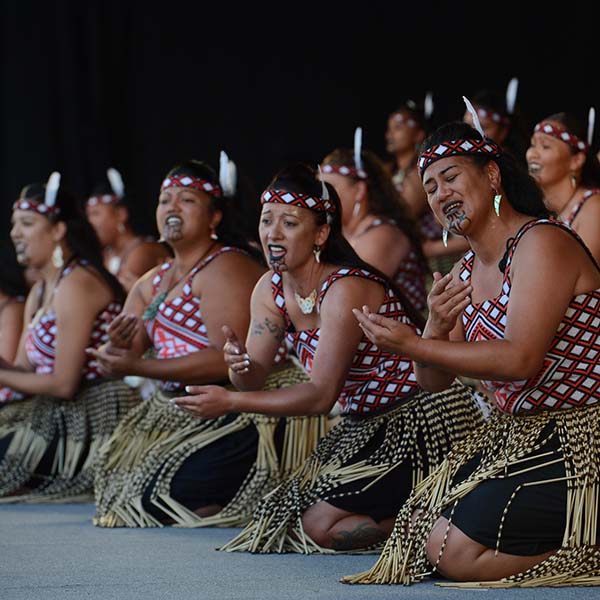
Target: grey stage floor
{"points": [[52, 552]]}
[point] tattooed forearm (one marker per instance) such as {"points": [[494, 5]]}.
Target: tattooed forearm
{"points": [[268, 326], [362, 536]]}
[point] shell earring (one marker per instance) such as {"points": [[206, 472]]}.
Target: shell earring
{"points": [[445, 237], [497, 200], [57, 257], [317, 253]]}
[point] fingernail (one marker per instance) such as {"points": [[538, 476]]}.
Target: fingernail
{"points": [[188, 389], [246, 357], [246, 364]]}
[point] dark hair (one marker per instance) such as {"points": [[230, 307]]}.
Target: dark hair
{"points": [[517, 137], [590, 173], [522, 192], [103, 188], [12, 275], [300, 178], [416, 111], [232, 231], [384, 198], [80, 237]]}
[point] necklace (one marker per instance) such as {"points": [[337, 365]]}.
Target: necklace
{"points": [[152, 308], [307, 304]]}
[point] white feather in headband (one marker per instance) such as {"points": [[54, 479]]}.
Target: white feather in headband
{"points": [[358, 149], [52, 186], [591, 125], [511, 95], [227, 175], [116, 182], [473, 113], [428, 106]]}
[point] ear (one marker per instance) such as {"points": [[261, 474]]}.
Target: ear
{"points": [[122, 214], [577, 161], [217, 217], [322, 234], [493, 173], [360, 191], [59, 231]]}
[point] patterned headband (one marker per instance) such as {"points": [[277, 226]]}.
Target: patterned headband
{"points": [[563, 135], [302, 200], [192, 182], [345, 171], [103, 199], [468, 147], [402, 118], [486, 113], [39, 207]]}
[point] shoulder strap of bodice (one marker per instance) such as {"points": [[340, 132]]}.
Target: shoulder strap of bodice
{"points": [[586, 196]]}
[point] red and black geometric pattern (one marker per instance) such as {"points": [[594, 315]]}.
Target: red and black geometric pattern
{"points": [[301, 200], [38, 207], [214, 189], [344, 170], [40, 342], [486, 113], [563, 135], [588, 194], [570, 375], [457, 147], [376, 379]]}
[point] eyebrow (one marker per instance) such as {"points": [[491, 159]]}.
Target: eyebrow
{"points": [[440, 173]]}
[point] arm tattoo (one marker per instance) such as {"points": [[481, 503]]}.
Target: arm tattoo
{"points": [[362, 536], [267, 325]]}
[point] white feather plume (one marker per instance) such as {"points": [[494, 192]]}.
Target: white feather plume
{"points": [[324, 190], [116, 182], [591, 125], [473, 112], [511, 95], [52, 186], [428, 105], [358, 149], [227, 174]]}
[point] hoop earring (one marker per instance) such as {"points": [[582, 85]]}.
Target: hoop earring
{"points": [[497, 200], [445, 237], [57, 257], [317, 253]]}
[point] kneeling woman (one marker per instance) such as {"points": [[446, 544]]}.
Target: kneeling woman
{"points": [[516, 503], [346, 495], [49, 442], [163, 465]]}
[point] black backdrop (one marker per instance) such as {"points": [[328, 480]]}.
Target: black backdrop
{"points": [[140, 85]]}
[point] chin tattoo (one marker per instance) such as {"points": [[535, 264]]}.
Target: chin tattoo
{"points": [[456, 221]]}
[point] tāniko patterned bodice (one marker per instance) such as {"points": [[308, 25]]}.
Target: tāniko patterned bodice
{"points": [[40, 342], [586, 196], [570, 375], [376, 379], [178, 328]]}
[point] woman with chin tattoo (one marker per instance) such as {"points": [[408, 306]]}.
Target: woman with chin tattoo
{"points": [[164, 465], [561, 160], [346, 495], [59, 408], [516, 503]]}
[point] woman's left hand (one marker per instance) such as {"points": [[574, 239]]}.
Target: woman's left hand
{"points": [[206, 401], [387, 334], [115, 362]]}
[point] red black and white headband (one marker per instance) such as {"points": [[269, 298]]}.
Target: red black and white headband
{"points": [[461, 147], [48, 207], [403, 115], [117, 186], [301, 200], [195, 183], [357, 170], [562, 134]]}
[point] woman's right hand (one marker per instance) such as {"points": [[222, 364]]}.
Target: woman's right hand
{"points": [[122, 330], [446, 302], [236, 357]]}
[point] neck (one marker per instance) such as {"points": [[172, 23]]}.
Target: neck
{"points": [[405, 158], [489, 241], [356, 224], [122, 241], [186, 256], [49, 273], [558, 196], [306, 278]]}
